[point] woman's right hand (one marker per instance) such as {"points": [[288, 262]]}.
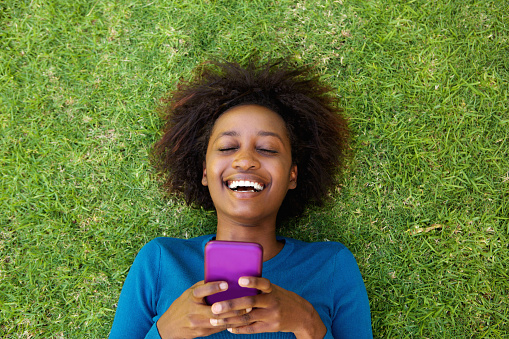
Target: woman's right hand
{"points": [[189, 316]]}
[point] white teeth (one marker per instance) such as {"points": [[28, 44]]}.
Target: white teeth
{"points": [[244, 183]]}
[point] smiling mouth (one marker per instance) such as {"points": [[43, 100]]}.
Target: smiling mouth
{"points": [[245, 186]]}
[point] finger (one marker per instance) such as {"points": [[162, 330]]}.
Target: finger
{"points": [[237, 318], [224, 308], [256, 327], [203, 290], [259, 283], [230, 314]]}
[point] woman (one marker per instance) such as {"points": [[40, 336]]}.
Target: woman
{"points": [[236, 140]]}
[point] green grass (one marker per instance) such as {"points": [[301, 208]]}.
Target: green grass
{"points": [[425, 205]]}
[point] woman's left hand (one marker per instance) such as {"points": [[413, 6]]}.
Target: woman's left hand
{"points": [[273, 310]]}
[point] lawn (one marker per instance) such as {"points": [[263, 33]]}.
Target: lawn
{"points": [[424, 206]]}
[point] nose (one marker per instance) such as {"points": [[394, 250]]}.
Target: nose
{"points": [[245, 160]]}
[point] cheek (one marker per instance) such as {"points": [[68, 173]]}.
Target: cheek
{"points": [[214, 170], [283, 171]]}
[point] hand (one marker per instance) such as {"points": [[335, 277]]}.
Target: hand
{"points": [[273, 310], [189, 316]]}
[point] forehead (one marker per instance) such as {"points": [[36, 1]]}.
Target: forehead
{"points": [[247, 118]]}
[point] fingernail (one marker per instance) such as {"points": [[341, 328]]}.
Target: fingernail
{"points": [[223, 286], [216, 308], [230, 330], [249, 310], [243, 281], [213, 322]]}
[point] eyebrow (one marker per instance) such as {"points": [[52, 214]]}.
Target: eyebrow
{"points": [[269, 134], [260, 133]]}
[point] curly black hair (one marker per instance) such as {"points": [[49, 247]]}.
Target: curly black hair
{"points": [[319, 133]]}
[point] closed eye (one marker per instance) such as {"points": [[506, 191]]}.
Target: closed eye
{"points": [[227, 149], [269, 151]]}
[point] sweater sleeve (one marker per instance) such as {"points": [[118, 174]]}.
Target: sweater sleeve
{"points": [[351, 318], [136, 312]]}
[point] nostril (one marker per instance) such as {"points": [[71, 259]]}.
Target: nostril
{"points": [[245, 163]]}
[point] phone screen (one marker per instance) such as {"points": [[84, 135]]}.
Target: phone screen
{"points": [[228, 261]]}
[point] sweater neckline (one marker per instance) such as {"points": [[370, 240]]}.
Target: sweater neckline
{"points": [[273, 262]]}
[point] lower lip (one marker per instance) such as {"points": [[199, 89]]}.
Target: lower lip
{"points": [[244, 194]]}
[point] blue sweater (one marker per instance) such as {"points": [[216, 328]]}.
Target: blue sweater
{"points": [[324, 273]]}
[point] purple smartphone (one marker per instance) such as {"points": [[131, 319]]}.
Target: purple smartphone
{"points": [[228, 261]]}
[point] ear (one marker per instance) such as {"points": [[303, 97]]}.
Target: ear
{"points": [[293, 177], [204, 180]]}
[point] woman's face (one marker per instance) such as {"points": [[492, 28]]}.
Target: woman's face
{"points": [[248, 166]]}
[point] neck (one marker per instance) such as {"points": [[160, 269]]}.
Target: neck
{"points": [[264, 235]]}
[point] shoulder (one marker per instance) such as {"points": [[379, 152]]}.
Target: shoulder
{"points": [[334, 253], [165, 245], [322, 247]]}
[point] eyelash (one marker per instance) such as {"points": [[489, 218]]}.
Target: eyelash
{"points": [[270, 151], [226, 149], [263, 150]]}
